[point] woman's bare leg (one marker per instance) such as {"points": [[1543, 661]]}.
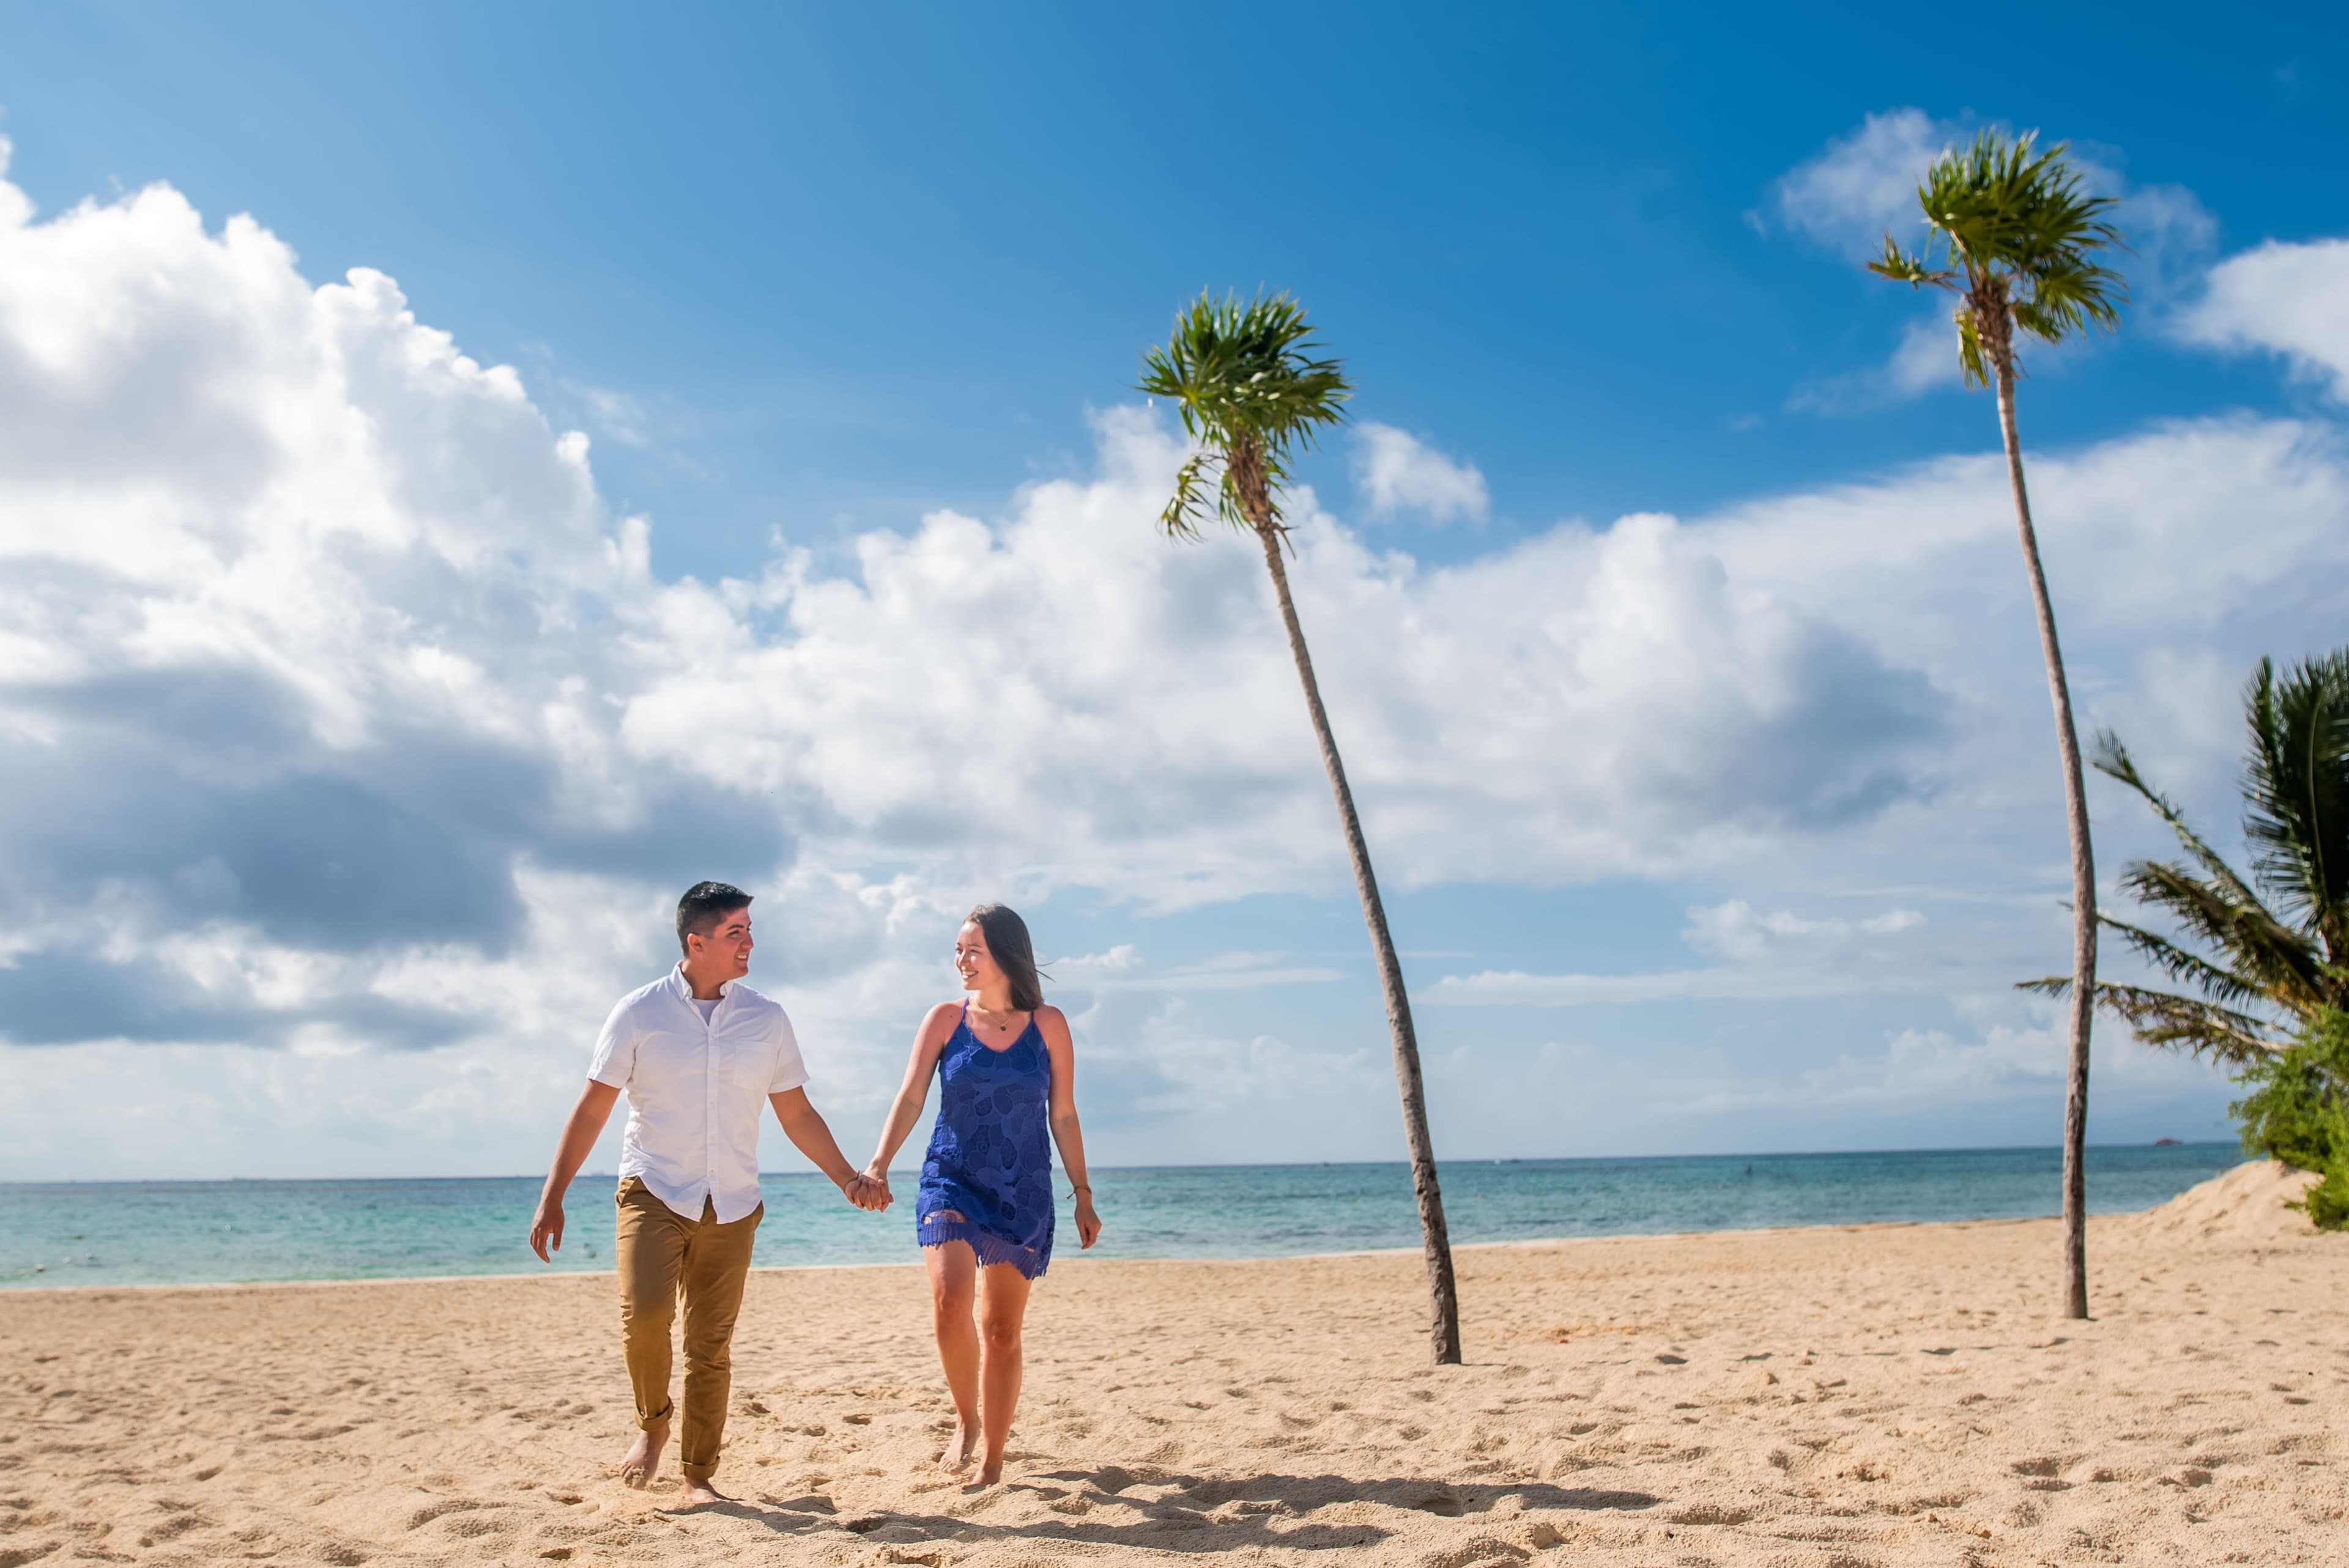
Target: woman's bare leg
{"points": [[954, 1278], [1002, 1311]]}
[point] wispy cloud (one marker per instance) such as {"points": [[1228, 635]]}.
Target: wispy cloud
{"points": [[1773, 955], [1123, 968], [2171, 237], [1515, 988], [1737, 930], [614, 414], [1863, 184], [1397, 472], [1926, 360], [1197, 1070]]}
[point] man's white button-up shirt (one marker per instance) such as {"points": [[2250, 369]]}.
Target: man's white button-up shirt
{"points": [[695, 1089]]}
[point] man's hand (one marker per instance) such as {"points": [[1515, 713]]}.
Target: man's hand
{"points": [[579, 1134], [546, 1228], [868, 1191]]}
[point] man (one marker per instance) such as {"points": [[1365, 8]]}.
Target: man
{"points": [[695, 1052]]}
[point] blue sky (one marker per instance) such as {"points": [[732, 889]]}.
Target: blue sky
{"points": [[1755, 803], [853, 262]]}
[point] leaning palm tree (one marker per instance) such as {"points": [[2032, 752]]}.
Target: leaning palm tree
{"points": [[1251, 395], [2269, 966], [2012, 235]]}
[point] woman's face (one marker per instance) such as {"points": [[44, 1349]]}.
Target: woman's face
{"points": [[973, 961]]}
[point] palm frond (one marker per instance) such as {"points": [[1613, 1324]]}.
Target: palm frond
{"points": [[1902, 268], [2290, 960], [2178, 1023], [2112, 759], [2067, 295], [2013, 229], [1249, 389], [2004, 203], [2296, 792], [2279, 959], [1188, 505], [1969, 350], [2220, 986]]}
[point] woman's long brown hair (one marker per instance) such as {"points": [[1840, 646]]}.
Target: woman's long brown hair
{"points": [[1014, 954]]}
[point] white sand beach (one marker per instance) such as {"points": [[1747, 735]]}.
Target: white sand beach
{"points": [[1815, 1398]]}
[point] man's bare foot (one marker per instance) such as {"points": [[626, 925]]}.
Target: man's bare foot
{"points": [[698, 1492], [642, 1458], [957, 1454]]}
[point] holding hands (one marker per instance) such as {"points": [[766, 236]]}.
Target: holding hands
{"points": [[869, 1191]]}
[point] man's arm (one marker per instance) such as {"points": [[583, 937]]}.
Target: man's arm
{"points": [[579, 1135], [813, 1137]]}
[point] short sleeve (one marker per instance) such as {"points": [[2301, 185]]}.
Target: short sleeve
{"points": [[789, 1071], [615, 1050]]}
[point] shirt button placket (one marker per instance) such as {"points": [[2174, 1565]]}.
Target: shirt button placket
{"points": [[709, 1104]]}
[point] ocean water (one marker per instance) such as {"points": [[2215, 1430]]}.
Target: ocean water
{"points": [[174, 1232]]}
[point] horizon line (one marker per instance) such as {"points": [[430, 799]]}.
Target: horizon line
{"points": [[1204, 1165]]}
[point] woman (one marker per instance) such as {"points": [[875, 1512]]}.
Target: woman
{"points": [[1006, 1069]]}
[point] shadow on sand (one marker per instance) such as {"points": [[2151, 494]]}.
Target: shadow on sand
{"points": [[1185, 1513]]}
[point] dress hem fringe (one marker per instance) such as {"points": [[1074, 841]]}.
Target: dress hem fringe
{"points": [[990, 1249]]}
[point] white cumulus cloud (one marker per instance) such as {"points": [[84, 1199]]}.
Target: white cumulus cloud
{"points": [[351, 749], [334, 700], [1396, 471], [2281, 298]]}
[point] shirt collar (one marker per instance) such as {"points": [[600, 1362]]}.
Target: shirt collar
{"points": [[684, 987]]}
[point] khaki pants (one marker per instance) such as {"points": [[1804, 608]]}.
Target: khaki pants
{"points": [[664, 1255]]}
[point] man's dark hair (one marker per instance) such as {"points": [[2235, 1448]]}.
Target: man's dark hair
{"points": [[703, 906]]}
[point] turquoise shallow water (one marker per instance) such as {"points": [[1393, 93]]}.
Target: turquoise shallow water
{"points": [[155, 1232]]}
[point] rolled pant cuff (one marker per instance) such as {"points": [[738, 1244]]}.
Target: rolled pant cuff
{"points": [[661, 1418], [697, 1472]]}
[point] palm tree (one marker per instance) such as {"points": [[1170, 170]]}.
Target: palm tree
{"points": [[2272, 965], [1251, 395], [2012, 235]]}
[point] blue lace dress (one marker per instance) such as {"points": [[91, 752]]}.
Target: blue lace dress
{"points": [[990, 1161]]}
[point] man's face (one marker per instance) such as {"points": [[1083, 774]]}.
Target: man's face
{"points": [[725, 953]]}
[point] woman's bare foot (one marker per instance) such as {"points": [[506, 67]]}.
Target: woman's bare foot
{"points": [[642, 1458], [957, 1454], [991, 1472], [698, 1492]]}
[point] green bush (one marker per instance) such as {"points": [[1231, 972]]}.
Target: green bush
{"points": [[2297, 1111]]}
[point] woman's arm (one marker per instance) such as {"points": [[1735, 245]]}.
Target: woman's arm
{"points": [[1062, 1049], [928, 1040]]}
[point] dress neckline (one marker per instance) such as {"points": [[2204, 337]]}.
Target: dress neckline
{"points": [[1005, 1049]]}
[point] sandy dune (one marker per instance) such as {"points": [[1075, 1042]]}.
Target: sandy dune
{"points": [[1824, 1399]]}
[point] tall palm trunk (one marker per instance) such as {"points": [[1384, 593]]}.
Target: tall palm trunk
{"points": [[2083, 995], [1444, 1303]]}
